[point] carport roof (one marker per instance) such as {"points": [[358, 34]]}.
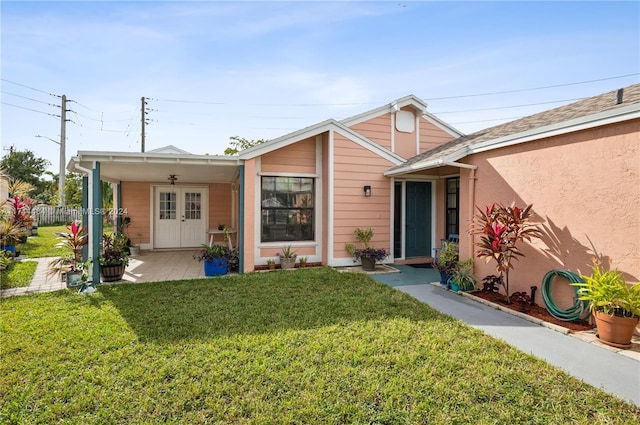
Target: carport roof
{"points": [[157, 166]]}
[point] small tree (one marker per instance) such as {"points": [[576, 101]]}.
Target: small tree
{"points": [[501, 228], [238, 144]]}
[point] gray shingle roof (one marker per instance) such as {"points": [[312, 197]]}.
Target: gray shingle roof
{"points": [[581, 108]]}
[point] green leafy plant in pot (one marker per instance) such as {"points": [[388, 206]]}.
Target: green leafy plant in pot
{"points": [[462, 278], [367, 255], [215, 259], [446, 261], [114, 258], [287, 257], [614, 304]]}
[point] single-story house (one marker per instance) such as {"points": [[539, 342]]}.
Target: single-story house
{"points": [[405, 173]]}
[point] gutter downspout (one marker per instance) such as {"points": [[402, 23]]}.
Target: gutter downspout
{"points": [[472, 197], [472, 203]]}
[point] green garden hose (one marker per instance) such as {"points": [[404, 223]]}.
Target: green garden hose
{"points": [[575, 312]]}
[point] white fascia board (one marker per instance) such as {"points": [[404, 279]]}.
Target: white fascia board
{"points": [[450, 159], [315, 130], [612, 116], [442, 125], [153, 158], [412, 100], [287, 139], [368, 144]]}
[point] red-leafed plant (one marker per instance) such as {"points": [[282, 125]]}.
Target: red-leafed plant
{"points": [[500, 229], [71, 242]]}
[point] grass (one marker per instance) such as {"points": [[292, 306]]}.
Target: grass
{"points": [[19, 274], [312, 346], [42, 244]]}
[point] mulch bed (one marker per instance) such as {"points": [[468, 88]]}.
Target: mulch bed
{"points": [[537, 311]]}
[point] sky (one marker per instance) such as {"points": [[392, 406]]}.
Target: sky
{"points": [[210, 70]]}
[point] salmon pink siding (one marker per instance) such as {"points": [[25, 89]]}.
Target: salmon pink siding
{"points": [[432, 136], [376, 129], [355, 167], [136, 197], [250, 206], [220, 206], [296, 158], [584, 187]]}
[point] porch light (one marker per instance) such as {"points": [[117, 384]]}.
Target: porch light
{"points": [[367, 191], [172, 178]]}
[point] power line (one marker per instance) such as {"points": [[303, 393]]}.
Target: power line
{"points": [[29, 87], [28, 98], [32, 110], [532, 89], [509, 107]]}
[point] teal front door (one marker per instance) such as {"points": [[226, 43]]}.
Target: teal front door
{"points": [[418, 219]]}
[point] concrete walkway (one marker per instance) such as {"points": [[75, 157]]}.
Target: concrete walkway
{"points": [[614, 371]]}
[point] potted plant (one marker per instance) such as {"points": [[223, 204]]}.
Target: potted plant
{"points": [[303, 261], [215, 259], [614, 304], [367, 255], [446, 261], [114, 258], [271, 263], [9, 236], [134, 249], [287, 257], [70, 265], [462, 278]]}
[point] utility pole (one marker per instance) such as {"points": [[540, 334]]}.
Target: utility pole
{"points": [[143, 120], [63, 155]]}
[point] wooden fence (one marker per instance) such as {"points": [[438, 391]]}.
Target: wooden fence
{"points": [[48, 215]]}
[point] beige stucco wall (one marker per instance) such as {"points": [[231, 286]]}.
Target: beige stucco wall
{"points": [[585, 191]]}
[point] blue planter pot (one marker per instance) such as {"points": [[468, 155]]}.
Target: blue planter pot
{"points": [[453, 286], [11, 249], [216, 267], [444, 277]]}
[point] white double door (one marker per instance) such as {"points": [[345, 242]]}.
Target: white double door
{"points": [[180, 216]]}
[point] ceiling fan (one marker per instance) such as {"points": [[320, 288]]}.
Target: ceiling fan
{"points": [[172, 178]]}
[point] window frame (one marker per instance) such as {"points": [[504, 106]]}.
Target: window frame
{"points": [[287, 212]]}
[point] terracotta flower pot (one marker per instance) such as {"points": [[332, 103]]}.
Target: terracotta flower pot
{"points": [[615, 331]]}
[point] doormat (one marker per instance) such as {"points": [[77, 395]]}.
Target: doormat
{"points": [[421, 265]]}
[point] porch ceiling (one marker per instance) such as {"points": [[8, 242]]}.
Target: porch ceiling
{"points": [[116, 167]]}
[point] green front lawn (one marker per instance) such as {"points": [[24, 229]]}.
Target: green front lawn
{"points": [[312, 346], [19, 274], [42, 244]]}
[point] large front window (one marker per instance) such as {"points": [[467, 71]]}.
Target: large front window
{"points": [[287, 205]]}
